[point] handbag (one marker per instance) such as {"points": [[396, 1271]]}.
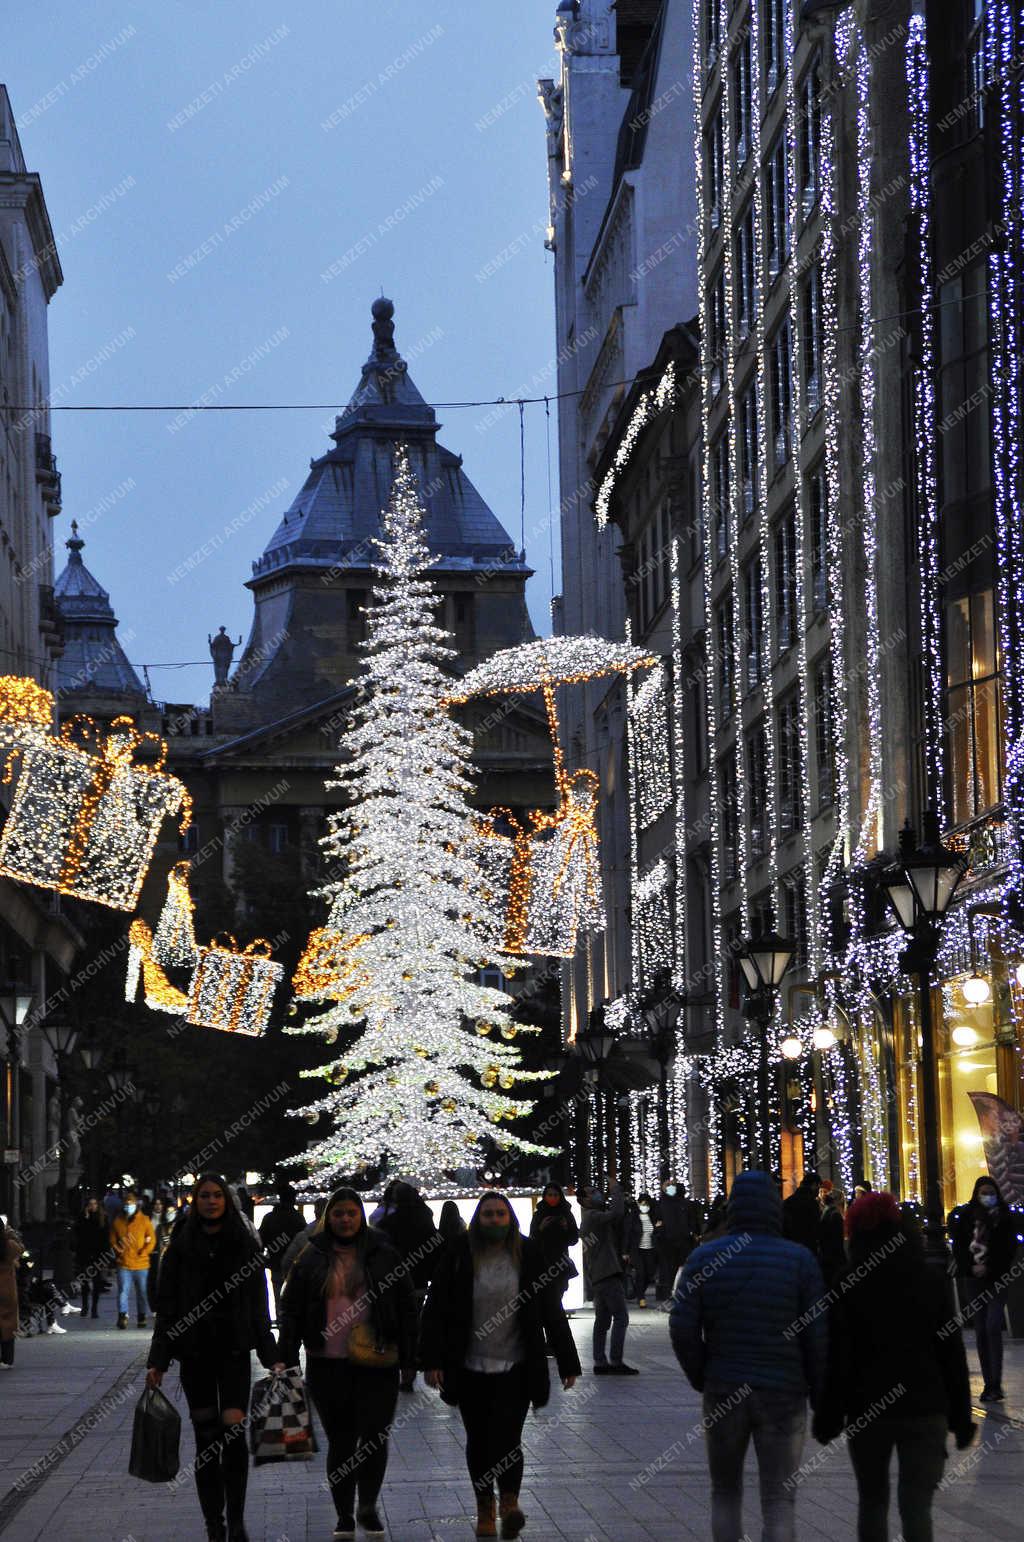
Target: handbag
{"points": [[156, 1434], [365, 1347], [280, 1425]]}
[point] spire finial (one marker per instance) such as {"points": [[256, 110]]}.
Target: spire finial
{"points": [[75, 543], [382, 311]]}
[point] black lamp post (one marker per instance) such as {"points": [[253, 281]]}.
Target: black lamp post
{"points": [[15, 1002], [919, 888], [92, 1058], [764, 961]]}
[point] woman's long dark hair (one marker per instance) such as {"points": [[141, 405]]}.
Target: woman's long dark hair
{"points": [[514, 1240], [322, 1228], [976, 1202], [188, 1232]]}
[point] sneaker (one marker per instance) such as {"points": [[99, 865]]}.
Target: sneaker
{"points": [[602, 1370], [369, 1519], [122, 1321], [622, 1369], [55, 1327], [5, 1367], [345, 1529], [67, 1309], [642, 1301], [142, 1322]]}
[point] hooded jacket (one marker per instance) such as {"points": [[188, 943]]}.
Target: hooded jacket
{"points": [[601, 1234], [388, 1292], [748, 1306], [894, 1348], [554, 1229]]}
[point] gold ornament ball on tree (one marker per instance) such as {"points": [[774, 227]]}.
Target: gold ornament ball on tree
{"points": [[431, 1089]]}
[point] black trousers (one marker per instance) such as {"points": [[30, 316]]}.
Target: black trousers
{"points": [[920, 1445], [356, 1405], [494, 1408], [212, 1383], [89, 1280]]}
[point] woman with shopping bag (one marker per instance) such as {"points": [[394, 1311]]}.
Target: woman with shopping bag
{"points": [[349, 1299], [211, 1312]]}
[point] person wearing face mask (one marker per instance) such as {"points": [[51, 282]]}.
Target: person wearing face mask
{"points": [[984, 1244], [211, 1313], [347, 1293], [482, 1345], [645, 1251], [553, 1228], [677, 1228], [133, 1241]]}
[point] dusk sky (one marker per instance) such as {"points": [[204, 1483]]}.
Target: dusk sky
{"points": [[230, 186]]}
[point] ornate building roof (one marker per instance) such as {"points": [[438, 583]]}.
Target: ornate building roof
{"points": [[335, 516], [93, 662]]}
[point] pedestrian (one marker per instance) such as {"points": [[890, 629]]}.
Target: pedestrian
{"points": [[645, 1252], [748, 1328], [211, 1312], [283, 1221], [348, 1299], [553, 1228], [984, 1241], [601, 1233], [482, 1345], [897, 1371], [409, 1227], [245, 1202], [11, 1249], [450, 1223], [164, 1231], [676, 1231], [387, 1203], [801, 1214], [133, 1240], [111, 1203], [298, 1243], [831, 1249], [92, 1252]]}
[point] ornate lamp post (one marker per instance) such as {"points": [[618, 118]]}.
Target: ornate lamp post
{"points": [[919, 887], [764, 961]]}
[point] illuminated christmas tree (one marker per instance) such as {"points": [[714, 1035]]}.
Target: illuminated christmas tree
{"points": [[424, 1062]]}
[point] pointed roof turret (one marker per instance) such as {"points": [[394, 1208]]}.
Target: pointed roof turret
{"points": [[93, 661]]}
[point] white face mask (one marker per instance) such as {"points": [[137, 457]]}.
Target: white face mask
{"points": [[169, 1215], [670, 1190], [129, 1209], [989, 1200], [644, 1206]]}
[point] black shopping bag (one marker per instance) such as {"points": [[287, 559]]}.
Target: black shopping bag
{"points": [[280, 1426], [156, 1435]]}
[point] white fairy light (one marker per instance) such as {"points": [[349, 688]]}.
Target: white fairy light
{"points": [[651, 758], [657, 399]]}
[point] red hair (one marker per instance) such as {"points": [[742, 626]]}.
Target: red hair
{"points": [[872, 1211]]}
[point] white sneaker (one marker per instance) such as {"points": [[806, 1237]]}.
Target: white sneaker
{"points": [[55, 1327], [67, 1309], [5, 1367]]}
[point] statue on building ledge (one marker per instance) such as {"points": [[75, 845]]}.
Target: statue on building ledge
{"points": [[222, 650]]}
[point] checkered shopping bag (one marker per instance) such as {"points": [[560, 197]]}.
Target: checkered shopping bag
{"points": [[280, 1426]]}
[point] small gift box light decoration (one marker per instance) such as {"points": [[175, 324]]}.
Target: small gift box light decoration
{"points": [[232, 987]]}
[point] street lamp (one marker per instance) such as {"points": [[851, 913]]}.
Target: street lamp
{"points": [[931, 875], [764, 961], [15, 1002]]}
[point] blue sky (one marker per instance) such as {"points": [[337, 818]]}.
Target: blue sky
{"points": [[230, 185]]}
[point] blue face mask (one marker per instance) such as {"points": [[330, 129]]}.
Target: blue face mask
{"points": [[129, 1209], [670, 1190], [989, 1200]]}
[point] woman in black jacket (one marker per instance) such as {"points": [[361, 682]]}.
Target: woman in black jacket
{"points": [[897, 1372], [482, 1345], [92, 1253], [211, 1312], [349, 1298], [553, 1227], [984, 1244], [409, 1227]]}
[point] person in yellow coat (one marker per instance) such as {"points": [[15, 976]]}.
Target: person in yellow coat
{"points": [[133, 1240]]}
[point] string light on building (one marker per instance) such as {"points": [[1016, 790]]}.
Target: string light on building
{"points": [[650, 761], [659, 399], [652, 920], [84, 821]]}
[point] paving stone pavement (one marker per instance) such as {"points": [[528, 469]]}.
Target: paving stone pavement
{"points": [[611, 1461]]}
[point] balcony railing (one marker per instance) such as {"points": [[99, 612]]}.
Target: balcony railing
{"points": [[47, 475]]}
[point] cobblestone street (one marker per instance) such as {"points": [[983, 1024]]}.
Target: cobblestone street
{"points": [[611, 1461]]}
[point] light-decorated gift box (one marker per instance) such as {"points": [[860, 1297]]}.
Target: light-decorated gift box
{"points": [[545, 875], [26, 712], [233, 988], [330, 968], [85, 817]]}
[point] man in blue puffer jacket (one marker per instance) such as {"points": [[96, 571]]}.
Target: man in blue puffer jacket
{"points": [[748, 1326]]}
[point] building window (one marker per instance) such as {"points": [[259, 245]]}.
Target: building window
{"points": [[972, 78], [728, 817], [781, 360], [463, 623], [720, 495], [810, 323], [746, 273], [716, 334], [791, 806], [776, 209], [817, 514], [747, 430], [824, 731], [774, 42], [277, 838], [810, 137], [752, 623], [794, 894], [757, 783], [726, 657], [786, 618], [714, 157], [743, 99], [975, 712]]}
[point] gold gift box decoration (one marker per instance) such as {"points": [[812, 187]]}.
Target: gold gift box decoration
{"points": [[84, 820], [26, 711], [329, 969], [232, 988]]}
